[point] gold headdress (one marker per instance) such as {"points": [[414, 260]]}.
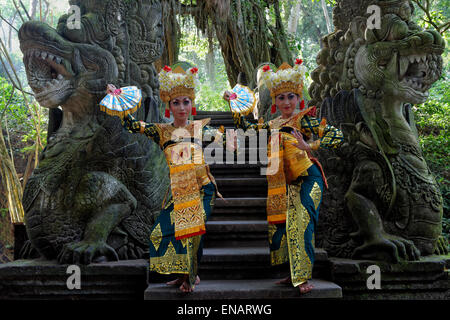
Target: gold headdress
{"points": [[286, 79], [176, 83]]}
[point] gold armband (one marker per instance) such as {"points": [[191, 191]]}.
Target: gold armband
{"points": [[141, 127], [315, 144], [260, 123]]}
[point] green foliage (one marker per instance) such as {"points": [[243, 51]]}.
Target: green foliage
{"points": [[437, 14], [194, 49], [433, 123], [3, 212], [19, 119]]}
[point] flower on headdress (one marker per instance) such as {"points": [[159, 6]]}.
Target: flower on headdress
{"points": [[266, 68], [298, 61], [194, 70], [167, 68]]}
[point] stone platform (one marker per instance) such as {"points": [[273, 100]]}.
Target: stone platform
{"points": [[47, 280], [243, 289], [426, 279]]}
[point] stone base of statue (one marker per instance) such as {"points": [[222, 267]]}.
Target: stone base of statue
{"points": [[48, 280], [426, 279]]}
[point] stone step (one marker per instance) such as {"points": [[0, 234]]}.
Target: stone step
{"points": [[250, 208], [232, 227], [217, 115], [211, 113], [235, 233], [248, 254], [242, 289], [249, 263], [236, 170], [242, 187], [204, 115], [217, 122]]}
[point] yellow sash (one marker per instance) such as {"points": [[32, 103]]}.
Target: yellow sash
{"points": [[290, 162], [185, 181]]}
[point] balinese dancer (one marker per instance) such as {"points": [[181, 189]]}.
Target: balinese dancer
{"points": [[296, 184], [176, 239]]}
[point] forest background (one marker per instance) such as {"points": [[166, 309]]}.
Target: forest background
{"points": [[191, 37]]}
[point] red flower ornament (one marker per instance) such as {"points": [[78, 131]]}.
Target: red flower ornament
{"points": [[167, 68], [298, 61], [302, 105], [312, 112], [194, 70], [266, 68]]}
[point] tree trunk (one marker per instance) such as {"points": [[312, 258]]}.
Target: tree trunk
{"points": [[246, 37], [34, 4], [293, 17], [10, 31], [10, 183], [311, 19], [47, 8], [327, 17], [210, 63], [172, 34]]}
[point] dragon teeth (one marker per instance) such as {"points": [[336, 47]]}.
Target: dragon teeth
{"points": [[404, 63]]}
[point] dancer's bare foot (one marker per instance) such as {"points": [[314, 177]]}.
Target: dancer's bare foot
{"points": [[175, 282], [305, 287], [286, 280], [180, 280], [186, 287]]}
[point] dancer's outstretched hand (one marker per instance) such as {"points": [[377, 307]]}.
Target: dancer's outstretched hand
{"points": [[226, 95], [301, 143], [110, 88]]}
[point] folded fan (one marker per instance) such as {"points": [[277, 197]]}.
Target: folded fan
{"points": [[242, 99], [121, 102]]}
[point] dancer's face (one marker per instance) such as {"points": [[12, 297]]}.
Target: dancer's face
{"points": [[181, 107], [286, 103]]}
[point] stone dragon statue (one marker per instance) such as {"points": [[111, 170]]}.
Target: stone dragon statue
{"points": [[383, 202], [97, 189]]}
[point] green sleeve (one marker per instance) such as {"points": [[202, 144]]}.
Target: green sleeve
{"points": [[136, 126], [241, 123], [332, 137]]}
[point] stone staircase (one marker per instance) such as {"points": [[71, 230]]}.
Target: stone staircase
{"points": [[235, 262], [236, 257]]}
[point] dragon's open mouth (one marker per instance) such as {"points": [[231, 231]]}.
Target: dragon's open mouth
{"points": [[47, 72], [415, 71]]}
